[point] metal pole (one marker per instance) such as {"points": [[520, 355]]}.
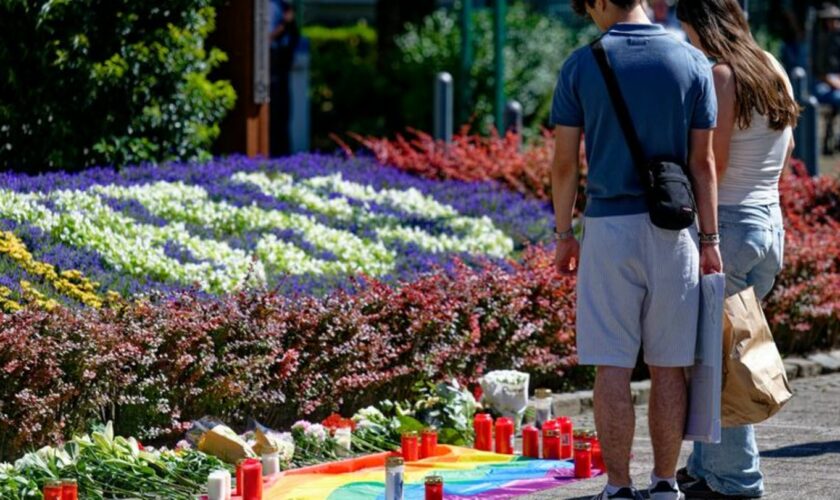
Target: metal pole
{"points": [[513, 120], [499, 12], [299, 12], [466, 61], [443, 123], [806, 134]]}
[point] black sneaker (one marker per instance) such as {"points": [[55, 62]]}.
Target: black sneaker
{"points": [[684, 477], [623, 493], [701, 489], [664, 491]]}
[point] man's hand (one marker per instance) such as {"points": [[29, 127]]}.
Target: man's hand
{"points": [[710, 260], [567, 256]]}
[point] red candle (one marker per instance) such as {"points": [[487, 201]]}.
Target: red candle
{"points": [[52, 490], [597, 456], [410, 446], [69, 489], [238, 489], [434, 488], [483, 425], [504, 436], [428, 443], [252, 480], [566, 441], [551, 444], [583, 460], [530, 442]]}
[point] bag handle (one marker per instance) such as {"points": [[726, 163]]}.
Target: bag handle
{"points": [[621, 110]]}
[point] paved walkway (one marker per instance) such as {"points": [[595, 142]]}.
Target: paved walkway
{"points": [[800, 447]]}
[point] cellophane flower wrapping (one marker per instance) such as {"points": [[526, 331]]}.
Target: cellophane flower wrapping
{"points": [[506, 391]]}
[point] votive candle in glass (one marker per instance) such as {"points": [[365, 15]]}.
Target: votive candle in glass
{"points": [[566, 437], [483, 425], [583, 460], [434, 488], [504, 436], [252, 479], [428, 442], [410, 446], [530, 442]]}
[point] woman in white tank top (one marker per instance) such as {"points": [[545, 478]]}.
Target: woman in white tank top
{"points": [[753, 142]]}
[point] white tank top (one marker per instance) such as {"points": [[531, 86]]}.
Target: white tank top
{"points": [[756, 158]]}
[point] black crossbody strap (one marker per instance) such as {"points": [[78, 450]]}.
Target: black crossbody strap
{"points": [[620, 107]]}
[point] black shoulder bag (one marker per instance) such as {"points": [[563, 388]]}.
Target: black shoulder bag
{"points": [[668, 191]]}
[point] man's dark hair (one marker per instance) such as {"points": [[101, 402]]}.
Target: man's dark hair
{"points": [[580, 5]]}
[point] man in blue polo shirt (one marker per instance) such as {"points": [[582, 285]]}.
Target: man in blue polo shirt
{"points": [[638, 284]]}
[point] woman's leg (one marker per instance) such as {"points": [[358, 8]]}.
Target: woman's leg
{"points": [[752, 241]]}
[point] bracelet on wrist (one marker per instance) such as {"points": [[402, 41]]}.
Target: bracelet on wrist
{"points": [[564, 235], [710, 239]]}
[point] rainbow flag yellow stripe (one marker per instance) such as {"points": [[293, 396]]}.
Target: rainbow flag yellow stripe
{"points": [[467, 473]]}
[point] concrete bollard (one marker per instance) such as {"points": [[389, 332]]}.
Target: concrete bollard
{"points": [[444, 103], [806, 134]]}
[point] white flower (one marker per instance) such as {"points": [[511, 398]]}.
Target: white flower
{"points": [[371, 414], [318, 431]]}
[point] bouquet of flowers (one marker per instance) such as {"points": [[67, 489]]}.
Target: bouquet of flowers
{"points": [[506, 391]]}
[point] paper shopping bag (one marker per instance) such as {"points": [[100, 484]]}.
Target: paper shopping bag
{"points": [[755, 385], [703, 422]]}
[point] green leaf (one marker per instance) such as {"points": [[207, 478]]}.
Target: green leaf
{"points": [[408, 424]]}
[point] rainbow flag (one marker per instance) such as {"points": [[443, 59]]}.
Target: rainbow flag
{"points": [[467, 473]]}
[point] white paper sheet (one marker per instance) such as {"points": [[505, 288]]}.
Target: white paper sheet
{"points": [[703, 422]]}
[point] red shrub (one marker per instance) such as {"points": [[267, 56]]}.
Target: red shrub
{"points": [[472, 157], [153, 368], [804, 308]]}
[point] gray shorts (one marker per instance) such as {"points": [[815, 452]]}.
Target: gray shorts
{"points": [[637, 285]]}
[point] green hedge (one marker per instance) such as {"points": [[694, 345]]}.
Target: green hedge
{"points": [[535, 50], [354, 91], [89, 82], [346, 88]]}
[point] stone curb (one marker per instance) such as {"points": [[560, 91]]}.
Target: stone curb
{"points": [[576, 403]]}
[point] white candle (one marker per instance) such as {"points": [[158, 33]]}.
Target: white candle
{"points": [[271, 464], [345, 440], [218, 485]]}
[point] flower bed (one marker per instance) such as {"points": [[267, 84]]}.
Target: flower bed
{"points": [[302, 224], [154, 367]]}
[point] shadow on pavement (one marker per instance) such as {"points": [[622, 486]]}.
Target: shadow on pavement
{"points": [[803, 450]]}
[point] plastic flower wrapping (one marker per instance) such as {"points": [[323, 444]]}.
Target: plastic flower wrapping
{"points": [[506, 391]]}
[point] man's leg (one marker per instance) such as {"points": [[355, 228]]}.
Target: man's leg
{"points": [[615, 420], [666, 417]]}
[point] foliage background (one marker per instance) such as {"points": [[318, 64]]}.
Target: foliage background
{"points": [[356, 89], [87, 82]]}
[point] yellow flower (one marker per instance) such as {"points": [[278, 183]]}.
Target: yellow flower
{"points": [[71, 283]]}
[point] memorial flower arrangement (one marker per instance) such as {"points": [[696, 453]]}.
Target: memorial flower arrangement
{"points": [[109, 466]]}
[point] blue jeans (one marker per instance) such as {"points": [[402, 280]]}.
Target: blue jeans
{"points": [[827, 95], [752, 247]]}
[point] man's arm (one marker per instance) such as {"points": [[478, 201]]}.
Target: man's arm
{"points": [[564, 186], [701, 164]]}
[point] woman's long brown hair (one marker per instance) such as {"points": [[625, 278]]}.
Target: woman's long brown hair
{"points": [[725, 35]]}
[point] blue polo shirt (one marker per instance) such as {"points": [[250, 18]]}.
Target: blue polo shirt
{"points": [[668, 87]]}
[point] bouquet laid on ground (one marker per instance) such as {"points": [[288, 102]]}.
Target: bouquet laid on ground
{"points": [[506, 392], [105, 466]]}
